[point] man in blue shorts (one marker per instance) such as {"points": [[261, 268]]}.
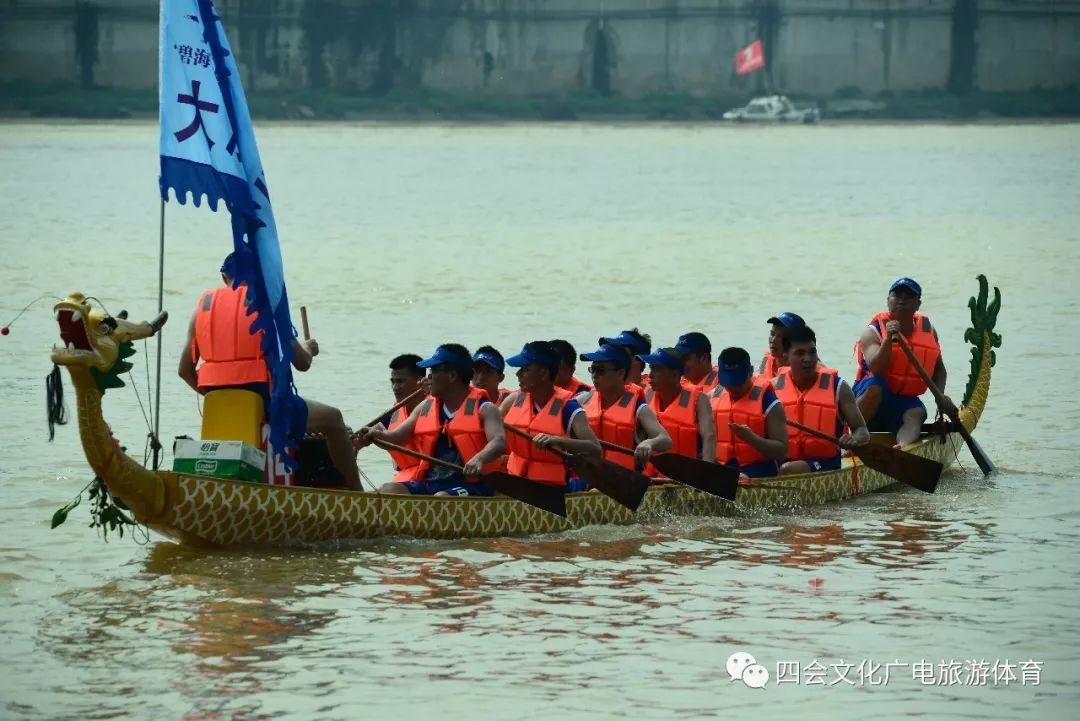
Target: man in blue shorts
{"points": [[887, 386]]}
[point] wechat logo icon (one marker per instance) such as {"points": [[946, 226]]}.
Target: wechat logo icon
{"points": [[741, 666]]}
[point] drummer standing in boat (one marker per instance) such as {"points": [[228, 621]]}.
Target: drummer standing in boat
{"points": [[219, 336], [548, 414], [458, 423], [887, 386]]}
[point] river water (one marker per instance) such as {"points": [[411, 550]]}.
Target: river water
{"points": [[399, 237]]}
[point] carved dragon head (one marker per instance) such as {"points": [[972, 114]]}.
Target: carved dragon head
{"points": [[94, 339]]}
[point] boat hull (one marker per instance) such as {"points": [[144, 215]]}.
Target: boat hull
{"points": [[213, 512]]}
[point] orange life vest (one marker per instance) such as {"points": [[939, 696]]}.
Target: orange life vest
{"points": [[231, 355], [770, 367], [576, 386], [815, 407], [616, 424], [744, 411], [406, 467], [526, 460], [465, 430], [707, 383], [901, 376], [679, 419]]}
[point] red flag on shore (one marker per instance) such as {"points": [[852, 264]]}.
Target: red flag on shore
{"points": [[750, 58]]}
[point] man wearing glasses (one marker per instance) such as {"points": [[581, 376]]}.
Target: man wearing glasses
{"points": [[457, 424], [617, 414], [635, 343]]}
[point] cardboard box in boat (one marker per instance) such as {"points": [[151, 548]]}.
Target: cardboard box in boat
{"points": [[235, 460]]}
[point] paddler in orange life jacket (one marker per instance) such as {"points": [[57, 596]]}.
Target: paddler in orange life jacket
{"points": [[774, 359], [635, 343], [456, 423], [220, 336], [887, 386], [698, 368], [620, 415], [488, 366], [683, 410], [568, 358], [547, 413], [405, 379], [751, 428], [819, 398]]}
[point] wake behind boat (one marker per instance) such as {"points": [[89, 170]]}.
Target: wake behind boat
{"points": [[205, 511]]}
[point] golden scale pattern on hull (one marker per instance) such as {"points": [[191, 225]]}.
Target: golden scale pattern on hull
{"points": [[206, 511]]}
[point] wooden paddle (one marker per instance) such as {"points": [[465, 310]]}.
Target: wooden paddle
{"points": [[621, 484], [916, 471], [303, 322], [548, 498], [977, 452], [722, 481], [399, 404]]}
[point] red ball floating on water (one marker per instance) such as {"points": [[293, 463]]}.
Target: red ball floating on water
{"points": [[5, 330], [816, 582]]}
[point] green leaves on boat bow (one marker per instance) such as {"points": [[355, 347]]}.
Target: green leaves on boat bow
{"points": [[106, 512]]}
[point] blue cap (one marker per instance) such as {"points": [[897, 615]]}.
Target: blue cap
{"points": [[628, 340], [693, 343], [491, 359], [666, 357], [445, 356], [609, 353], [733, 367], [907, 283], [228, 266], [529, 354], [788, 320]]}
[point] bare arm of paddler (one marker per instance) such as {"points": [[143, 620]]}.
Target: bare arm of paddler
{"points": [[303, 352], [369, 434], [706, 428], [775, 443], [581, 440], [496, 440], [858, 434], [876, 353], [188, 359], [656, 438]]}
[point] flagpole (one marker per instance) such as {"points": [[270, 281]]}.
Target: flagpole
{"points": [[155, 443]]}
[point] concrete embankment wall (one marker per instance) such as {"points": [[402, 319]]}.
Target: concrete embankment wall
{"points": [[630, 47]]}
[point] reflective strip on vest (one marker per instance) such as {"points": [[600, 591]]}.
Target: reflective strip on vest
{"points": [[230, 353], [465, 431], [526, 460], [816, 408], [901, 376], [745, 411], [615, 424]]}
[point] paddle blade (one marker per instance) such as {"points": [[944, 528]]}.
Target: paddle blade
{"points": [[705, 476], [921, 473], [985, 464], [621, 484], [549, 498]]}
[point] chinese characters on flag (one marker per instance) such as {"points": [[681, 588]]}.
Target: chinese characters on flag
{"points": [[749, 58]]}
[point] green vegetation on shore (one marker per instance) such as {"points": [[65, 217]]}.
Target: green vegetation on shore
{"points": [[64, 100]]}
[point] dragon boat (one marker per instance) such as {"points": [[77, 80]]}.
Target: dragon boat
{"points": [[212, 512]]}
